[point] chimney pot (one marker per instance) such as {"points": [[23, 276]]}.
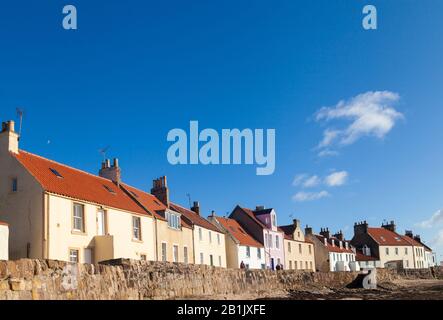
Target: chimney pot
{"points": [[116, 162], [196, 207], [160, 190]]}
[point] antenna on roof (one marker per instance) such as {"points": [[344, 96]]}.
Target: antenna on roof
{"points": [[20, 112], [103, 151], [189, 199]]}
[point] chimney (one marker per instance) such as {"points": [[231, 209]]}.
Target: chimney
{"points": [[325, 232], [196, 207], [308, 230], [259, 208], [111, 172], [417, 238], [8, 138], [339, 236], [360, 228], [389, 226], [160, 190], [409, 234], [296, 223]]}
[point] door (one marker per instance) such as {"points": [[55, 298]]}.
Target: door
{"points": [[88, 255], [272, 263], [101, 227]]}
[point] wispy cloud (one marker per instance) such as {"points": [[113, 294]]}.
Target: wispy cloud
{"points": [[327, 153], [438, 239], [336, 179], [435, 219], [367, 114], [310, 196]]}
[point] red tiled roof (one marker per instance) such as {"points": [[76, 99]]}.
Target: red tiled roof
{"points": [[234, 228], [386, 237], [76, 184], [251, 214], [150, 202], [193, 217], [362, 257], [412, 241], [335, 248], [3, 223]]}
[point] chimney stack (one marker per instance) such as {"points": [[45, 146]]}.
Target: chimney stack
{"points": [[259, 208], [111, 172], [390, 226], [339, 235], [9, 138], [296, 223], [196, 207], [409, 234], [360, 228], [417, 238], [160, 190], [308, 230], [325, 232]]}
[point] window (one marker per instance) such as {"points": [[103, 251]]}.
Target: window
{"points": [[407, 263], [310, 249], [173, 220], [290, 264], [396, 251], [143, 257], [248, 252], [310, 265], [276, 242], [201, 258], [273, 221], [298, 234], [219, 261], [74, 255], [387, 251], [295, 265], [109, 189], [175, 252], [200, 234], [136, 228], [406, 250], [270, 240], [210, 237], [306, 265], [78, 218], [289, 247], [185, 254], [258, 253], [263, 266], [299, 248], [56, 173], [14, 185], [164, 253], [218, 238]]}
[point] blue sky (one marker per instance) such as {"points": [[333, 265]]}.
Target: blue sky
{"points": [[136, 69]]}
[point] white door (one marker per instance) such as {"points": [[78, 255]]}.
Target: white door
{"points": [[100, 223]]}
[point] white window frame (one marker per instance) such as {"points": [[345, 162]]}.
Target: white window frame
{"points": [[76, 219], [175, 252], [71, 255], [164, 251], [136, 229]]}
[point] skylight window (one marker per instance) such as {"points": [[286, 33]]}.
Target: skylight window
{"points": [[56, 173], [109, 189], [134, 194]]}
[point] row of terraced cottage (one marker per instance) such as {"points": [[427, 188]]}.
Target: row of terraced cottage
{"points": [[52, 211]]}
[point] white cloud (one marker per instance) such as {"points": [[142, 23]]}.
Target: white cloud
{"points": [[369, 114], [298, 180], [336, 179], [436, 218], [309, 196], [438, 240], [312, 181], [327, 153]]}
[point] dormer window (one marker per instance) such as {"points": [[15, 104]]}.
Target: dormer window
{"points": [[173, 220], [274, 223]]}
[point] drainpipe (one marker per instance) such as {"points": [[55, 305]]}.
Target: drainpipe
{"points": [[156, 238]]}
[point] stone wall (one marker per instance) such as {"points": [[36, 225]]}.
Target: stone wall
{"points": [[130, 279]]}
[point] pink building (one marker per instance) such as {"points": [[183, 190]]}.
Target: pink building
{"points": [[261, 224]]}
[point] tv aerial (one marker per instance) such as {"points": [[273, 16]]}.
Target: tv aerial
{"points": [[103, 151], [20, 113], [189, 199]]}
